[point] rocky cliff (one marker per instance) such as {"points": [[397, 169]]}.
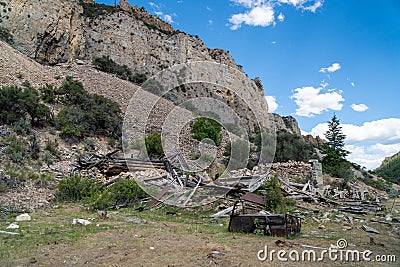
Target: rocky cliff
{"points": [[54, 32], [57, 31], [287, 123]]}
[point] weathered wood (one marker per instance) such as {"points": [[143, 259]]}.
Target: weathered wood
{"points": [[222, 212], [307, 208], [111, 181], [8, 233], [191, 194], [159, 196]]}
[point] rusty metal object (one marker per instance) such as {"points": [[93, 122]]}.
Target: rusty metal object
{"points": [[283, 225]]}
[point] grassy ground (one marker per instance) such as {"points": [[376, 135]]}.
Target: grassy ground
{"points": [[170, 237]]}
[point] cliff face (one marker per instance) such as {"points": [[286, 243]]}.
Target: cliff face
{"points": [[58, 31], [287, 123], [53, 32], [45, 30]]}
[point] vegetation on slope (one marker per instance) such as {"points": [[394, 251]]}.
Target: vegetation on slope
{"points": [[5, 35], [123, 192], [390, 169], [108, 65], [203, 128], [94, 10], [288, 146], [86, 114]]}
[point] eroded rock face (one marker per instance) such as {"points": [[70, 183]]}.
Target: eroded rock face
{"points": [[53, 32], [287, 123], [46, 30], [57, 31]]}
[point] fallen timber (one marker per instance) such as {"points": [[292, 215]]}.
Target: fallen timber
{"points": [[172, 178], [112, 165]]}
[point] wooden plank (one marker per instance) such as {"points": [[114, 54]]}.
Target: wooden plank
{"points": [[159, 196], [222, 212], [8, 233]]}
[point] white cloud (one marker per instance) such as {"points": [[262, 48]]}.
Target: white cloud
{"points": [[304, 132], [353, 84], [311, 101], [158, 11], [261, 12], [210, 22], [313, 7], [308, 5], [257, 16], [385, 131], [164, 17], [249, 3], [324, 84], [272, 105], [369, 143], [372, 156], [334, 67], [281, 17], [359, 107], [152, 4]]}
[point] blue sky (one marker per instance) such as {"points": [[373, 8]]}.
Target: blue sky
{"points": [[315, 58]]}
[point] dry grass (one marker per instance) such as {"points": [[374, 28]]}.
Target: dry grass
{"points": [[186, 238]]}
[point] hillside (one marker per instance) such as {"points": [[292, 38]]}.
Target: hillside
{"points": [[129, 142], [390, 168]]}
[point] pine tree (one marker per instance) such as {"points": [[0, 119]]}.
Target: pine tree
{"points": [[334, 162], [336, 137]]}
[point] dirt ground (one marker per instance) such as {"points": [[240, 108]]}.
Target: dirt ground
{"points": [[169, 239]]}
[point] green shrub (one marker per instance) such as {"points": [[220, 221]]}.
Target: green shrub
{"points": [[22, 126], [203, 128], [291, 147], [153, 145], [47, 157], [52, 147], [87, 114], [34, 146], [138, 78], [378, 184], [76, 188], [15, 149], [89, 145], [5, 35], [124, 192], [94, 10], [19, 103], [108, 65], [274, 197], [49, 94]]}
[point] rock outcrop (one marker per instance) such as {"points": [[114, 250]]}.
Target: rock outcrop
{"points": [[58, 31], [287, 123], [54, 32]]}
